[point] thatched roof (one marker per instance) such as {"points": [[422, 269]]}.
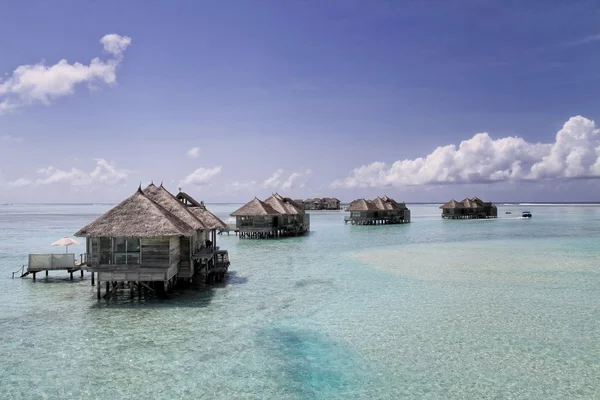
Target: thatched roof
{"points": [[468, 203], [394, 202], [284, 205], [209, 219], [277, 203], [362, 205], [381, 205], [163, 197], [452, 204], [254, 207], [137, 216], [186, 198]]}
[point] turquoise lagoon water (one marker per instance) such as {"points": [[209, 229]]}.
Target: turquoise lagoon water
{"points": [[504, 309]]}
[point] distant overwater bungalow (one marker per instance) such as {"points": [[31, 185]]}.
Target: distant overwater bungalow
{"points": [[325, 203], [152, 240], [469, 209], [380, 211], [276, 216]]}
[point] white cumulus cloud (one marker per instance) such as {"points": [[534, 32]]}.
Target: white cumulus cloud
{"points": [[29, 84], [194, 152], [274, 180], [575, 153], [115, 44], [201, 176], [279, 181], [103, 173]]}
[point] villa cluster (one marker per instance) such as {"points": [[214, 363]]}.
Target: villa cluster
{"points": [[325, 203], [469, 209], [382, 210], [277, 216]]}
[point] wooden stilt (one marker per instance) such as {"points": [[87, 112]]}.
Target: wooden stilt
{"points": [[46, 272], [98, 289], [34, 276], [92, 279], [81, 274], [71, 275]]}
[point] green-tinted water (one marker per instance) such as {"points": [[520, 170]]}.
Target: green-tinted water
{"points": [[505, 308]]}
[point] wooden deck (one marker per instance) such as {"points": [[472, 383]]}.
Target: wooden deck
{"points": [[375, 220], [52, 262]]}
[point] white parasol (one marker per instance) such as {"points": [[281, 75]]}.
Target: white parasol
{"points": [[66, 241]]}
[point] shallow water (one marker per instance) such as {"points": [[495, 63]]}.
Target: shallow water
{"points": [[505, 308]]}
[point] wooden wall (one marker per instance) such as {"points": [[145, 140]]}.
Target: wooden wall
{"points": [[174, 252], [155, 252]]}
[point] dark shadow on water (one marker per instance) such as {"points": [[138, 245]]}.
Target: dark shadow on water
{"points": [[196, 294], [233, 278], [42, 279], [311, 365]]}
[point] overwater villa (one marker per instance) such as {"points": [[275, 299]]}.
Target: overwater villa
{"points": [[469, 209], [380, 211], [326, 203], [152, 240], [276, 216]]}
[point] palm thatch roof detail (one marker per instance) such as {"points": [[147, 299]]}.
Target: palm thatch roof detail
{"points": [[209, 219], [362, 205], [187, 199], [137, 216], [255, 207], [452, 204], [164, 198], [276, 201]]}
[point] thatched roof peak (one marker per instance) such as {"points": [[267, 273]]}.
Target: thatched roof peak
{"points": [[452, 204], [255, 207], [362, 205], [163, 197], [137, 216]]}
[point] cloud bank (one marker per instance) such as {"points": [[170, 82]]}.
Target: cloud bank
{"points": [[201, 176], [279, 181], [39, 83], [104, 173], [575, 153]]}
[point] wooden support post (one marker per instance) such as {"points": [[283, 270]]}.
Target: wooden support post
{"points": [[81, 274], [92, 279], [34, 276], [107, 286], [98, 288], [139, 290], [46, 272], [71, 274]]}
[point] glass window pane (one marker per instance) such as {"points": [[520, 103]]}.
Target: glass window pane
{"points": [[105, 244], [133, 245], [119, 245], [120, 259], [133, 258]]}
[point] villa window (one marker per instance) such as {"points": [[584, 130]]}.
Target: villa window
{"points": [[126, 250]]}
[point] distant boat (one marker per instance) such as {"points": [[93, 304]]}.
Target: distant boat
{"points": [[526, 214], [508, 212]]}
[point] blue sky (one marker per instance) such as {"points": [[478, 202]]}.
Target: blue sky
{"points": [[307, 98]]}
